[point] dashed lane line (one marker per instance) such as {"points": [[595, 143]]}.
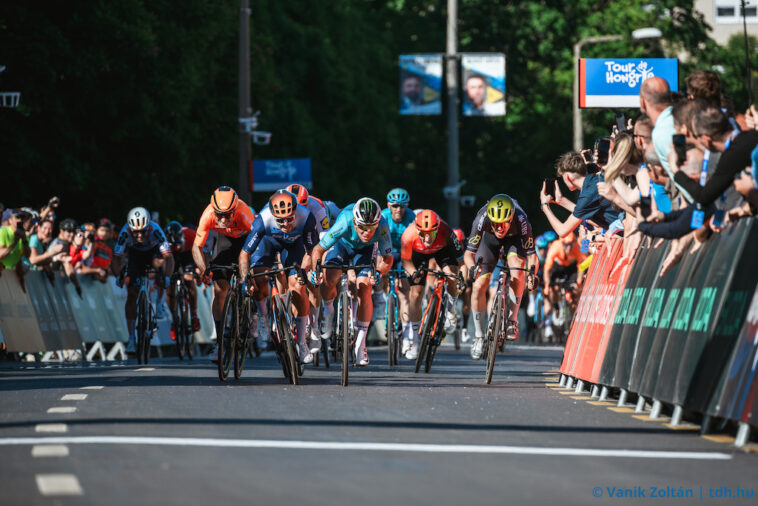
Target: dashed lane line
{"points": [[58, 484], [49, 451], [62, 409], [369, 446], [74, 397], [718, 438], [93, 387], [51, 427], [145, 369]]}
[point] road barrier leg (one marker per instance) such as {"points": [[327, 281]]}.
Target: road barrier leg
{"points": [[579, 387], [595, 391], [622, 398], [562, 381], [676, 416], [569, 383], [743, 434], [96, 350], [705, 427], [604, 394], [640, 408], [118, 350]]}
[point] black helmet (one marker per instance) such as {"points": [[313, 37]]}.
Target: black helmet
{"points": [[174, 232], [69, 225]]}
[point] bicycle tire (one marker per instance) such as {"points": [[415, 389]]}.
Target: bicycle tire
{"points": [[141, 324], [289, 349], [180, 329], [325, 352], [389, 329], [190, 340], [426, 332], [430, 353], [344, 337], [225, 348], [240, 350], [491, 337], [151, 326]]}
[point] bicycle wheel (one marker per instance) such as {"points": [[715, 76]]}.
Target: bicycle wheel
{"points": [[389, 328], [189, 340], [141, 324], [325, 352], [151, 326], [180, 323], [344, 335], [426, 332], [491, 338], [225, 341], [240, 350], [288, 341]]}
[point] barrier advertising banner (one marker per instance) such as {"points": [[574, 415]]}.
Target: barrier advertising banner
{"points": [[18, 320], [615, 82], [421, 84], [483, 83]]}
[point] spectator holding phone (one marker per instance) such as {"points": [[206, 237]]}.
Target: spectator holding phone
{"points": [[13, 242], [589, 206]]}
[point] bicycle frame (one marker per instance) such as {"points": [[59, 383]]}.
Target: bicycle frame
{"points": [[392, 321]]}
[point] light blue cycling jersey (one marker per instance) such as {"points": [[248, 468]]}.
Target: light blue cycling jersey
{"points": [[397, 229], [265, 225], [344, 229]]}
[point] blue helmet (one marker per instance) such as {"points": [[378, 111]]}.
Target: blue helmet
{"points": [[541, 242], [550, 236], [398, 196]]}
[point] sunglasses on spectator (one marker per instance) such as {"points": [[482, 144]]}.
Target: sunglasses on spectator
{"points": [[368, 228], [285, 221], [224, 216]]}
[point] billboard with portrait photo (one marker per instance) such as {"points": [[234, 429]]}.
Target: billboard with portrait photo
{"points": [[420, 84], [483, 83]]}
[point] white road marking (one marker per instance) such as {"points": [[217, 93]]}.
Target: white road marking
{"points": [[93, 388], [367, 446], [62, 409], [51, 427], [50, 451], [58, 484], [74, 397], [145, 369]]}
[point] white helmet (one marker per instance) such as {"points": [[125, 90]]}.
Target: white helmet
{"points": [[138, 219], [366, 212]]}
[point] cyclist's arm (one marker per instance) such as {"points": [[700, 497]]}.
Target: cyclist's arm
{"points": [[316, 255], [549, 261], [408, 267], [165, 249], [116, 264], [201, 236], [384, 264], [168, 264]]}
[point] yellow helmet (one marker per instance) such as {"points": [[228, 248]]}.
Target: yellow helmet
{"points": [[500, 209]]}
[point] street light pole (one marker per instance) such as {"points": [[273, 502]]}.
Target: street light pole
{"points": [[451, 67], [243, 102]]}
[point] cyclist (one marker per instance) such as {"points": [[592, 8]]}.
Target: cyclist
{"points": [[398, 217], [562, 263], [427, 238], [500, 223], [465, 295], [232, 220], [359, 230], [181, 240], [144, 243], [286, 229]]}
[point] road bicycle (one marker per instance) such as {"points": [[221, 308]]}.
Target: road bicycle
{"points": [[433, 319], [182, 315], [392, 324], [145, 325]]}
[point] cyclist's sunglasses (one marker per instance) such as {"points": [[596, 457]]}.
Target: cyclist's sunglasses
{"points": [[368, 228], [224, 216], [501, 226], [397, 206], [284, 221], [428, 233]]}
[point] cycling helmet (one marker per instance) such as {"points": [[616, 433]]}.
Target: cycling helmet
{"points": [[427, 221], [300, 191], [398, 196], [541, 242], [366, 212], [138, 219], [459, 235], [550, 236], [500, 209], [282, 204], [174, 232], [69, 225], [224, 200]]}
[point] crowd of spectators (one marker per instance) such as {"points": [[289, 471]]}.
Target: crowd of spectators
{"points": [[683, 169]]}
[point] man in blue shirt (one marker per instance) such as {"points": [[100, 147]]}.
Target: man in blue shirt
{"points": [[359, 230], [398, 217]]}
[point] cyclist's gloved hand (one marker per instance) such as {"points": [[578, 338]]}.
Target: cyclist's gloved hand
{"points": [[166, 282], [416, 277], [531, 282], [472, 273], [207, 277], [314, 278], [377, 278], [245, 287]]}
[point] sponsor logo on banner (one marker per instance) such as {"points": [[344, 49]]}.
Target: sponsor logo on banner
{"points": [[615, 82]]}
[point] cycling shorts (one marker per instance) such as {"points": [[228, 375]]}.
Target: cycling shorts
{"points": [[225, 253], [489, 250], [559, 273], [137, 261], [265, 254], [184, 260], [446, 257], [341, 253], [397, 264]]}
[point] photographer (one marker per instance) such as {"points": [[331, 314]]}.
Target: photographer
{"points": [[590, 206]]}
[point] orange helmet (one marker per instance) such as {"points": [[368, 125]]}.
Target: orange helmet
{"points": [[282, 204], [427, 221], [224, 200], [300, 191], [459, 235]]}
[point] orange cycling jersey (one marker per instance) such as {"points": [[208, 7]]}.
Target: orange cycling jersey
{"points": [[410, 241], [241, 223], [557, 255]]}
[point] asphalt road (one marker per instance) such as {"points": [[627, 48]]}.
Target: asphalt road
{"points": [[171, 433]]}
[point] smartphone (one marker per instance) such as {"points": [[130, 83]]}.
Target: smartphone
{"points": [[621, 121], [646, 206], [550, 186], [587, 156], [680, 146], [718, 217], [602, 146]]}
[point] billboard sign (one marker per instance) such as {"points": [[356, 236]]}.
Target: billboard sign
{"points": [[271, 175], [420, 84], [483, 82], [615, 82]]}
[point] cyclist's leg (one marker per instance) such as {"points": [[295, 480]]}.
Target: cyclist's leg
{"points": [[515, 257], [410, 347], [447, 258], [226, 252], [365, 309], [487, 253], [292, 257], [337, 255]]}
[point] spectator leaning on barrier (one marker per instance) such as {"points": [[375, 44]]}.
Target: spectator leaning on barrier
{"points": [[589, 206], [658, 182], [623, 168], [81, 253], [41, 254], [62, 261], [102, 252]]}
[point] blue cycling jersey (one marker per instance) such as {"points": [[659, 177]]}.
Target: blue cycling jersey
{"points": [[397, 229], [265, 225], [344, 230]]}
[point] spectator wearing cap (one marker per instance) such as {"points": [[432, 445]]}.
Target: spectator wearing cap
{"points": [[6, 217], [41, 254], [13, 243]]}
